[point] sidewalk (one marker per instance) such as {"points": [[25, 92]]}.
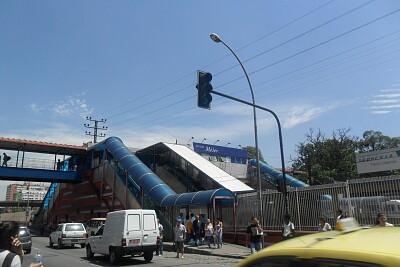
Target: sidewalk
{"points": [[227, 250]]}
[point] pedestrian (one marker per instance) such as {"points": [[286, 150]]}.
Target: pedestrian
{"points": [[189, 230], [58, 165], [218, 232], [179, 237], [160, 248], [202, 227], [323, 225], [196, 230], [10, 246], [288, 227], [209, 232], [254, 233], [340, 215], [381, 220], [5, 160]]}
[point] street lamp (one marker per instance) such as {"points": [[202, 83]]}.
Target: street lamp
{"points": [[239, 146], [227, 144], [203, 140], [216, 141], [191, 138], [217, 39]]}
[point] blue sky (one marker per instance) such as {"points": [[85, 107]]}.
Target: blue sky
{"points": [[316, 64]]}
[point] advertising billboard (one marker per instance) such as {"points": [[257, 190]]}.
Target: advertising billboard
{"points": [[379, 160], [219, 150]]}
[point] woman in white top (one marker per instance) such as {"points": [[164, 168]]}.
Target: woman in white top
{"points": [[288, 227], [323, 225], [209, 232]]}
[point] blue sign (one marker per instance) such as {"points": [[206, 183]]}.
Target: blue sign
{"points": [[219, 150]]}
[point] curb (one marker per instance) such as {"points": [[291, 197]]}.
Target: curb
{"points": [[205, 251]]}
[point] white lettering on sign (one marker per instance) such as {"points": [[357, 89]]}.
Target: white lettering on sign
{"points": [[211, 149]]}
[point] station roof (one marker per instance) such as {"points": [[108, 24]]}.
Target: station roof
{"points": [[213, 172], [41, 147]]}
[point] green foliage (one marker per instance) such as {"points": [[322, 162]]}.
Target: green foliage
{"points": [[252, 152], [326, 160]]}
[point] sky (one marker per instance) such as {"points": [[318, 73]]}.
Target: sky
{"points": [[318, 64]]}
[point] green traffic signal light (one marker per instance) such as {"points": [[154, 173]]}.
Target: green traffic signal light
{"points": [[204, 88]]}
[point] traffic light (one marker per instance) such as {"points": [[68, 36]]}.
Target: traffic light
{"points": [[204, 88]]}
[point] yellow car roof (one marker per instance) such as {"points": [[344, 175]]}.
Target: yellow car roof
{"points": [[379, 245]]}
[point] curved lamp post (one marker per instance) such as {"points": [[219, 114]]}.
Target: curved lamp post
{"points": [[216, 141], [217, 39]]}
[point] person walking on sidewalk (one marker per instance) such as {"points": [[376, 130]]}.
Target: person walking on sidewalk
{"points": [[255, 232], [160, 248], [209, 232], [218, 232], [288, 227], [179, 237], [196, 230]]}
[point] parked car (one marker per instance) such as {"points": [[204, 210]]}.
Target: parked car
{"points": [[94, 224], [25, 239], [68, 234], [126, 233], [349, 246]]}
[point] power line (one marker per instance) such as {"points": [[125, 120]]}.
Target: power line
{"points": [[257, 40], [301, 68]]}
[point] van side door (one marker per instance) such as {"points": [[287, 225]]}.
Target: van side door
{"points": [[150, 229], [133, 233]]}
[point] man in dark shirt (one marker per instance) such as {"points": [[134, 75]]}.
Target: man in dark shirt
{"points": [[196, 230], [255, 232]]}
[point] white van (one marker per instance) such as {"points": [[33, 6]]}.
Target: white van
{"points": [[126, 233], [94, 224]]}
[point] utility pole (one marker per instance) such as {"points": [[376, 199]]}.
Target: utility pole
{"points": [[95, 128]]}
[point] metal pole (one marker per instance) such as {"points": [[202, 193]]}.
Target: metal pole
{"points": [[261, 214], [280, 140]]}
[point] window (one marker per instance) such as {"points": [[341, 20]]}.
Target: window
{"points": [[133, 222], [149, 222], [100, 231], [74, 227]]}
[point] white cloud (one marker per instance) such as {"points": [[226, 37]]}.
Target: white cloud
{"points": [[387, 96], [72, 106], [35, 108], [385, 106], [380, 112], [390, 90], [385, 101], [302, 113]]}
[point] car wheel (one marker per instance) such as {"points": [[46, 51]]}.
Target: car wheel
{"points": [[114, 257], [59, 244], [82, 245], [50, 243], [89, 253], [148, 256]]}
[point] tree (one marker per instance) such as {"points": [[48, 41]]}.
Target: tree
{"points": [[375, 140], [251, 150], [326, 160]]}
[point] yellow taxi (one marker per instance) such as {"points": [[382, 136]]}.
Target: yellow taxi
{"points": [[349, 246]]}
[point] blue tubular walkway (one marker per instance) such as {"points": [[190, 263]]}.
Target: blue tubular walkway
{"points": [[278, 175], [158, 190]]}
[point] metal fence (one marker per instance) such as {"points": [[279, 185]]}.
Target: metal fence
{"points": [[359, 198]]}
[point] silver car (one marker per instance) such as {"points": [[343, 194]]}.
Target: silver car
{"points": [[25, 239], [68, 234]]}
